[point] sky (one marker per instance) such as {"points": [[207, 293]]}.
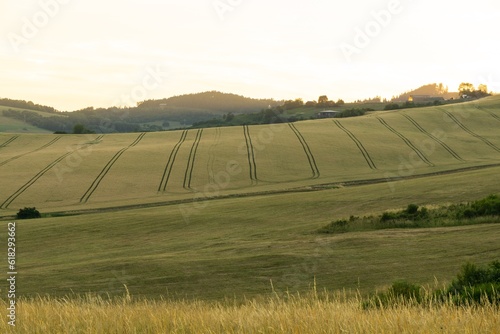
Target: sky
{"points": [[71, 54]]}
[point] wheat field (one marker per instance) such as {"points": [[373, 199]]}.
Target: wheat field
{"points": [[312, 313], [78, 172]]}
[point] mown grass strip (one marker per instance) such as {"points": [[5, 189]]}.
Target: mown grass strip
{"points": [[430, 135], [358, 143], [10, 140], [28, 184], [307, 150], [192, 157], [466, 129], [251, 155], [171, 161], [406, 141], [105, 170], [36, 150]]}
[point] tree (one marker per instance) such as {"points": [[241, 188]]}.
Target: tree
{"points": [[78, 129], [28, 213], [81, 129], [483, 88], [465, 88], [322, 100]]}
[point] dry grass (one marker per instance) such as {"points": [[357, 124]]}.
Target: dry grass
{"points": [[325, 313]]}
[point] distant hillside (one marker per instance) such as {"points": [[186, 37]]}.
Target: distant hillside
{"points": [[213, 101], [433, 90], [152, 115]]}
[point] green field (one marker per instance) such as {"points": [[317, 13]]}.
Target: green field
{"points": [[221, 212]]}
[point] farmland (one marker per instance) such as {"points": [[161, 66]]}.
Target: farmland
{"points": [[212, 213], [95, 171]]}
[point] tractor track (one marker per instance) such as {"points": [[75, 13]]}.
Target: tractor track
{"points": [[436, 139], [35, 150], [307, 150], [171, 161], [466, 129], [35, 178], [105, 170], [360, 146], [188, 175], [314, 188], [10, 140], [488, 112], [251, 155], [406, 141]]}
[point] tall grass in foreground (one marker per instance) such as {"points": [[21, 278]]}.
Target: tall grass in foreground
{"points": [[314, 313]]}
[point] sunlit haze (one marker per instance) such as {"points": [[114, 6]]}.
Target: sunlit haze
{"points": [[71, 54]]}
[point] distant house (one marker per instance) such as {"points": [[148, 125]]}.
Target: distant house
{"points": [[328, 114]]}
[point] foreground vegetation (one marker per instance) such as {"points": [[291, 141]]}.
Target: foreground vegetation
{"points": [[486, 210], [311, 313]]}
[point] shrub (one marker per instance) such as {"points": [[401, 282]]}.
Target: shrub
{"points": [[412, 209], [399, 292], [475, 285], [28, 213], [338, 226]]}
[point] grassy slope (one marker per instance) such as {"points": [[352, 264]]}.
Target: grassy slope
{"points": [[236, 245], [266, 158], [10, 125]]}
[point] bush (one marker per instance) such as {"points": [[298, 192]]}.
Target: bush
{"points": [[399, 292], [475, 285], [338, 226], [28, 213]]}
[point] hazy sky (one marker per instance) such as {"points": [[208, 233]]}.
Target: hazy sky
{"points": [[72, 54]]}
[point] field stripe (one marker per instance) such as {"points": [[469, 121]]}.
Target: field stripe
{"points": [[488, 112], [250, 154], [307, 150], [10, 140], [466, 129], [170, 163], [35, 178], [106, 169], [430, 135], [36, 150], [192, 157], [211, 155], [360, 146], [406, 141]]}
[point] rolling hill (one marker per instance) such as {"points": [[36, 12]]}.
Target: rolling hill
{"points": [[209, 213]]}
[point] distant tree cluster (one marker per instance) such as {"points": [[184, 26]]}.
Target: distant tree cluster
{"points": [[324, 102], [21, 104], [467, 89], [214, 101], [28, 213]]}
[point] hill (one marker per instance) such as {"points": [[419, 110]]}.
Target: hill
{"points": [[211, 213], [432, 90], [214, 102], [152, 115]]}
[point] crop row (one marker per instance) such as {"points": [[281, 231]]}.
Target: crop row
{"points": [[406, 141], [358, 143], [466, 129], [105, 170], [170, 163], [28, 184], [250, 154], [307, 150]]}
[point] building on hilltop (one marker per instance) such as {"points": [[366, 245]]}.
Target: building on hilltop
{"points": [[424, 98], [328, 114]]}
